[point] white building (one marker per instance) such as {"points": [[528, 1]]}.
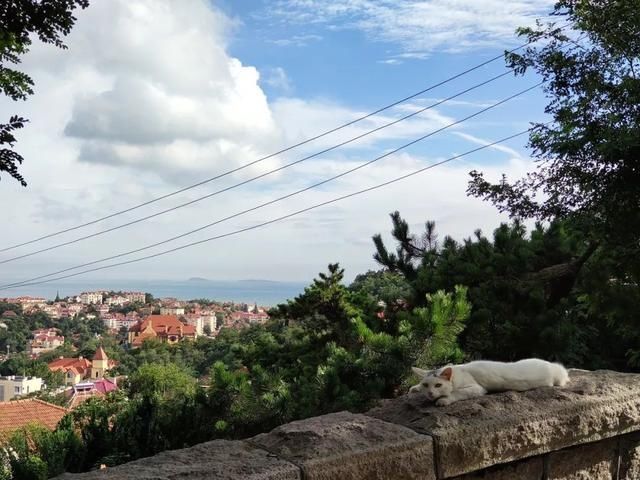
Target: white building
{"points": [[89, 298], [16, 386], [117, 300], [139, 297], [172, 310]]}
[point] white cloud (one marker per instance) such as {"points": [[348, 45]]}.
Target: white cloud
{"points": [[498, 147], [157, 87], [420, 26], [277, 78], [148, 98], [296, 40]]}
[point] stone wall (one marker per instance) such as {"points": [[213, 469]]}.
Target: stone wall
{"points": [[587, 430]]}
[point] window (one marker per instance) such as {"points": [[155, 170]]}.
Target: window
{"points": [[16, 390]]}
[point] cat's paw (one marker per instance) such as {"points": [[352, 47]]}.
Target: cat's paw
{"points": [[443, 401]]}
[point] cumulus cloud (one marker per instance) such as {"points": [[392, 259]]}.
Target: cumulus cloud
{"points": [[148, 98], [420, 26], [277, 78], [167, 88]]}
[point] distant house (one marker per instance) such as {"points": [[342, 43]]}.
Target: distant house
{"points": [[172, 310], [77, 369], [166, 328], [44, 340], [15, 386], [90, 298], [20, 413], [139, 297], [85, 390]]}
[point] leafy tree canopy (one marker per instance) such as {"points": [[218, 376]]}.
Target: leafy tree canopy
{"points": [[589, 154]]}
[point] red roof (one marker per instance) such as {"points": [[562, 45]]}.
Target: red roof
{"points": [[104, 386], [100, 354], [19, 413], [165, 324], [77, 365]]}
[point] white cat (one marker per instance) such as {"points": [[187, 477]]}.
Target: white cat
{"points": [[469, 380]]}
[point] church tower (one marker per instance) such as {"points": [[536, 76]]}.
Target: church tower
{"points": [[99, 364]]}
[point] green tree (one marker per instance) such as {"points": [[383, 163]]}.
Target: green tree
{"points": [[588, 166], [21, 21], [516, 312]]}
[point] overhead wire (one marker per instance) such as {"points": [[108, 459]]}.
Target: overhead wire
{"points": [[272, 221], [274, 154], [315, 185], [257, 177]]}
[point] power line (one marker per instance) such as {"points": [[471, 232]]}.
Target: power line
{"points": [[279, 152], [274, 220], [282, 197], [402, 147], [252, 179]]}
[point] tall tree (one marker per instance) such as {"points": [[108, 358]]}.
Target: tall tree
{"points": [[49, 20], [589, 154]]}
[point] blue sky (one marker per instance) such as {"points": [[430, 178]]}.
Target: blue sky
{"points": [[152, 96]]}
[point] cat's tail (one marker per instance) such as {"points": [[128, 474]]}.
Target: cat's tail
{"points": [[560, 375]]}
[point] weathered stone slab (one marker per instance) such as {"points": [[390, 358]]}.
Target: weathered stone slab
{"points": [[529, 469], [474, 434], [219, 460], [350, 447], [630, 457], [587, 462]]}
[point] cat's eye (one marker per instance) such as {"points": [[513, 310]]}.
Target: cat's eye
{"points": [[438, 385]]}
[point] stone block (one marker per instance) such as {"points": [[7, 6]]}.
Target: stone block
{"points": [[219, 460], [630, 457], [351, 447], [499, 428], [586, 462], [530, 469]]}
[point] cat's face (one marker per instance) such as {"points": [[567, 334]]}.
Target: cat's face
{"points": [[433, 384]]}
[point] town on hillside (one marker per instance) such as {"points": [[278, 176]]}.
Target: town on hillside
{"points": [[70, 338]]}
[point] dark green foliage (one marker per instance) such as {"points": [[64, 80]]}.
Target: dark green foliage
{"points": [[589, 155], [38, 454], [517, 310]]}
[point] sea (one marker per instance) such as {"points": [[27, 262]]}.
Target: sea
{"points": [[262, 292]]}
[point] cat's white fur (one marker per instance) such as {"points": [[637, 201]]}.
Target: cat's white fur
{"points": [[469, 380]]}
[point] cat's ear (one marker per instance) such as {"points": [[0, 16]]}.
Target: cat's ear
{"points": [[420, 372], [446, 373]]}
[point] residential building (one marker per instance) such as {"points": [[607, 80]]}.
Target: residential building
{"points": [[200, 322], [117, 300], [27, 301], [138, 297], [90, 298], [15, 386], [75, 308], [166, 328], [172, 310], [85, 390], [20, 413], [44, 340], [77, 369]]}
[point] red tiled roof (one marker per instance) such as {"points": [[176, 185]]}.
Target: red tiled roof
{"points": [[100, 354], [77, 365], [19, 413], [104, 386], [161, 323]]}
